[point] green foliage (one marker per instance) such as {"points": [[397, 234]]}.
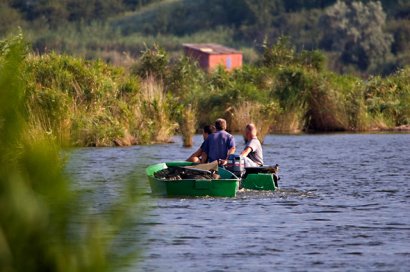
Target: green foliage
{"points": [[91, 103], [185, 84], [313, 59], [292, 88], [9, 19], [262, 12], [61, 88], [153, 62], [283, 54], [402, 80], [401, 30], [160, 18], [388, 99], [357, 36], [59, 12], [296, 5], [39, 225], [186, 79], [356, 31], [153, 119], [11, 94], [326, 106]]}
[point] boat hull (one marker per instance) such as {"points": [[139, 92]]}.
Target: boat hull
{"points": [[227, 186], [260, 181], [261, 178]]}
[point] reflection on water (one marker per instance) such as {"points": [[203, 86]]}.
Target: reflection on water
{"points": [[343, 205]]}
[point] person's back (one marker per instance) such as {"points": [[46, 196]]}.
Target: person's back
{"points": [[196, 156], [219, 145]]}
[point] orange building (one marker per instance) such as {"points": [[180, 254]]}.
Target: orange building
{"points": [[210, 55]]}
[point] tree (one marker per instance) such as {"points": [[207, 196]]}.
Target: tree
{"points": [[153, 63], [297, 5], [355, 30], [53, 12], [261, 14], [9, 18]]}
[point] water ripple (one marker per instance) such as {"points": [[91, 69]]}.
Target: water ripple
{"points": [[343, 205]]}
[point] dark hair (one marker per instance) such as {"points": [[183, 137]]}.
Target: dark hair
{"points": [[209, 129], [220, 124]]}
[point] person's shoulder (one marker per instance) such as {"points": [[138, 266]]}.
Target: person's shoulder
{"points": [[212, 136], [203, 144], [255, 141], [229, 135]]}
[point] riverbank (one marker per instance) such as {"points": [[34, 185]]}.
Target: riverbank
{"points": [[92, 103], [402, 128]]}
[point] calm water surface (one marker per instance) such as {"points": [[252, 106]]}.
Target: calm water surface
{"points": [[344, 205]]}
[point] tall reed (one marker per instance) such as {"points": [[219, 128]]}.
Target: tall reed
{"points": [[325, 106], [86, 103], [187, 125], [263, 116], [152, 122]]}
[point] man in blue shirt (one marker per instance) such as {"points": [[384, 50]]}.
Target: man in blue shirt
{"points": [[196, 156], [219, 145]]}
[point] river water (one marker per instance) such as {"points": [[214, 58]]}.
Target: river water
{"points": [[343, 205]]}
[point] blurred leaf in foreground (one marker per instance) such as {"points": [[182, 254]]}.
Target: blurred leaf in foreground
{"points": [[42, 227]]}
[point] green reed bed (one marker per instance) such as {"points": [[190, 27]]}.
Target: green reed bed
{"points": [[92, 103], [89, 103]]}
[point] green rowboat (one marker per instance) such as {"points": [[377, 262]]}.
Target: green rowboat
{"points": [[225, 185]]}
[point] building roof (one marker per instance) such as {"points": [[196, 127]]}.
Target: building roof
{"points": [[211, 48]]}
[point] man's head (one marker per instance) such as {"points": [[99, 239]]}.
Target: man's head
{"points": [[208, 129], [220, 124], [250, 131]]}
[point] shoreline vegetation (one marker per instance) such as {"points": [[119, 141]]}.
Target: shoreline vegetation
{"points": [[91, 103]]}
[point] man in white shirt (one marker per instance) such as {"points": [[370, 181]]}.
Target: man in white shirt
{"points": [[253, 149]]}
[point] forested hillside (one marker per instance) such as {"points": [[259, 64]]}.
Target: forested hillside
{"points": [[363, 37]]}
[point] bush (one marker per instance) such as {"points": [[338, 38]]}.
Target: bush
{"points": [[388, 99], [185, 84], [153, 63], [326, 106], [90, 103], [402, 81]]}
